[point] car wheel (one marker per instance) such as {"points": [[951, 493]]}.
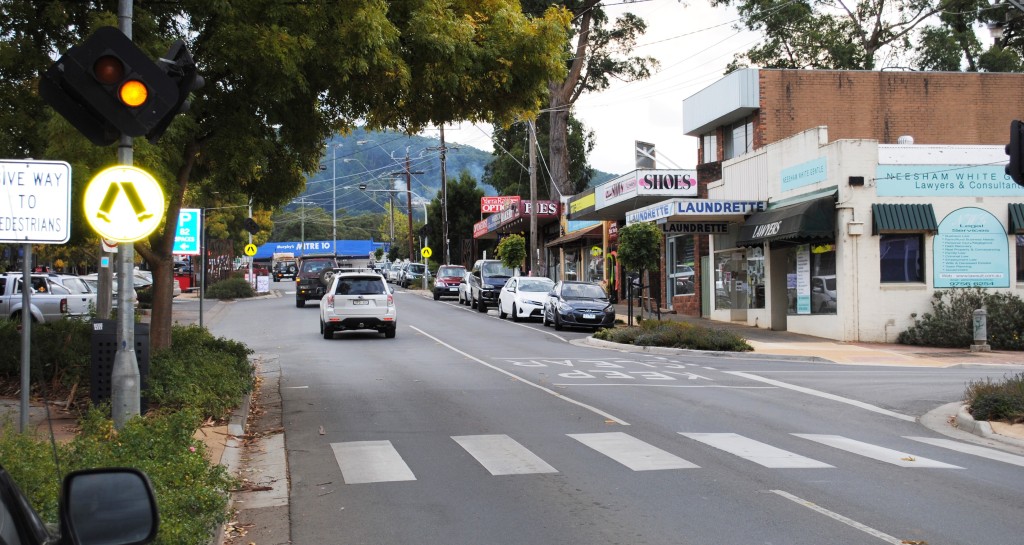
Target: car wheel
{"points": [[515, 313], [390, 332], [472, 302], [480, 306], [558, 323], [300, 303], [544, 318], [502, 314], [437, 296], [328, 332]]}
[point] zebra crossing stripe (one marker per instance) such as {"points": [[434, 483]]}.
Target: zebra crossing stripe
{"points": [[875, 452], [990, 453], [631, 452], [756, 451], [371, 462], [502, 455]]}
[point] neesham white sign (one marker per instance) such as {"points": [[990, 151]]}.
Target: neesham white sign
{"points": [[35, 202]]}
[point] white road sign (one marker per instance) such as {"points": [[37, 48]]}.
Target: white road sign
{"points": [[35, 201]]}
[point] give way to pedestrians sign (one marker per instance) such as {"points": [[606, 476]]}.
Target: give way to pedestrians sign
{"points": [[35, 202]]}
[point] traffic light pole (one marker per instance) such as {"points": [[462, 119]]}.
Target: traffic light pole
{"points": [[125, 382]]}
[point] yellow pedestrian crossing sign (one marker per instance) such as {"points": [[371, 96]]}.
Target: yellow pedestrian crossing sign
{"points": [[250, 250], [124, 203], [426, 252]]}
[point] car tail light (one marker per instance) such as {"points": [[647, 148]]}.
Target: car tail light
{"points": [[330, 300], [391, 300], [63, 306]]}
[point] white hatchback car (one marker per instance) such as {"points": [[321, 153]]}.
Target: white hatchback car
{"points": [[523, 297], [358, 300]]}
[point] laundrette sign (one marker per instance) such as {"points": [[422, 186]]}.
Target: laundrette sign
{"points": [[694, 207]]}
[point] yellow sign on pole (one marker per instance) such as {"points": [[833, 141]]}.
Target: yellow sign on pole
{"points": [[124, 203], [250, 250], [426, 252]]}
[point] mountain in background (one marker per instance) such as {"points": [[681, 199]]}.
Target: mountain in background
{"points": [[377, 162]]}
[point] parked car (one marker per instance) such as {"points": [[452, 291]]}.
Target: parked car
{"points": [[464, 289], [486, 280], [578, 304], [412, 275], [358, 300], [97, 507], [447, 279], [314, 277], [285, 268], [395, 272], [49, 300], [523, 297]]}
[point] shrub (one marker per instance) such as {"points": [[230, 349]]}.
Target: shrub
{"points": [[950, 324], [675, 335], [230, 288], [997, 400], [60, 352]]}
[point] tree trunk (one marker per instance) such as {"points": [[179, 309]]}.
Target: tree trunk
{"points": [[558, 140]]}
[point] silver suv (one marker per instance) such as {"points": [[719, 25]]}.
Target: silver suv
{"points": [[358, 300]]}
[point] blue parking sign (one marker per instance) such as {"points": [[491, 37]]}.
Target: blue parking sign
{"points": [[186, 238]]}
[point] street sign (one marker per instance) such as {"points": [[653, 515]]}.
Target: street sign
{"points": [[124, 203], [426, 252], [250, 250], [187, 236], [35, 202]]}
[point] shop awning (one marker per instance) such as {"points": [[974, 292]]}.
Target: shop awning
{"points": [[589, 232], [801, 222], [903, 218], [1016, 219]]}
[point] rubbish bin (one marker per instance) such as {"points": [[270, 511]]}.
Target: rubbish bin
{"points": [[103, 351]]}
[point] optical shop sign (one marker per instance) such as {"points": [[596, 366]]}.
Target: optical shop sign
{"points": [[945, 181], [971, 251]]}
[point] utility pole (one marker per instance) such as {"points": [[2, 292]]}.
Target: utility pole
{"points": [[444, 197], [534, 260], [408, 197]]}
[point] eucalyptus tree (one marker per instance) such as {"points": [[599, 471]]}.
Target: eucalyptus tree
{"points": [[280, 79], [463, 211]]}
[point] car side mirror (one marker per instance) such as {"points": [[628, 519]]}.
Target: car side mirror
{"points": [[108, 507]]}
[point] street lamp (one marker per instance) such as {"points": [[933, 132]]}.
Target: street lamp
{"points": [[334, 195]]}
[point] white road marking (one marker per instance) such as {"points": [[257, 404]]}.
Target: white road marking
{"points": [[632, 452], [296, 387], [825, 395], [642, 385], [875, 452], [502, 455], [756, 451], [836, 516], [990, 453], [371, 462], [594, 410]]}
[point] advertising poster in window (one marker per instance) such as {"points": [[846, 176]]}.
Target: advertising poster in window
{"points": [[803, 279], [971, 251]]}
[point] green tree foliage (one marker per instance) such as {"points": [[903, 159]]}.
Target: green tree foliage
{"points": [[512, 251], [280, 78], [395, 218], [463, 211], [597, 53], [509, 172], [639, 247]]}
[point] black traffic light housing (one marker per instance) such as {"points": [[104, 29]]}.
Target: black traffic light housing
{"points": [[86, 86], [1015, 149], [251, 226]]}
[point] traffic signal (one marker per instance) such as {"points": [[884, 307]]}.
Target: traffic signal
{"points": [[1015, 168], [179, 66], [251, 226], [106, 86]]}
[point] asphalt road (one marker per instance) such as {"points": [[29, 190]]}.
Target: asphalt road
{"points": [[469, 429]]}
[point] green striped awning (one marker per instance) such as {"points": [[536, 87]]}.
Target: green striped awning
{"points": [[903, 218], [1016, 219]]}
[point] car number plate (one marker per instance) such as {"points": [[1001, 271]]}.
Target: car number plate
{"points": [[360, 302], [587, 316], [453, 289]]}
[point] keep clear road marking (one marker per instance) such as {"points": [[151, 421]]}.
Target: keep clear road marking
{"points": [[825, 395], [502, 455], [371, 462], [875, 452], [756, 451], [632, 452], [836, 516], [990, 453], [594, 410]]}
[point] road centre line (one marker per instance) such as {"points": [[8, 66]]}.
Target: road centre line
{"points": [[574, 384], [594, 410], [836, 516], [824, 395]]}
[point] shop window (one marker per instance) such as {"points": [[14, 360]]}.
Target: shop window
{"points": [[595, 267], [739, 139], [901, 258], [709, 146], [811, 279], [681, 252], [572, 264], [731, 287], [1020, 259], [755, 276]]}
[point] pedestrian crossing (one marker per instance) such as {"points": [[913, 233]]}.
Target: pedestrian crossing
{"points": [[364, 462]]}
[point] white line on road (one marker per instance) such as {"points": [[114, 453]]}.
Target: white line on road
{"points": [[836, 516], [723, 386], [825, 395], [756, 451], [990, 453], [875, 452], [502, 455], [371, 462], [632, 452], [594, 410]]}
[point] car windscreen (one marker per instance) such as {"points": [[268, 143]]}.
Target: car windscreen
{"points": [[496, 269], [314, 266], [535, 284], [361, 285], [451, 271], [415, 268], [582, 291]]}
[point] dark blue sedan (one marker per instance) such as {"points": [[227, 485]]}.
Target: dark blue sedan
{"points": [[578, 304]]}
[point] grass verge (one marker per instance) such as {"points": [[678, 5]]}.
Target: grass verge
{"points": [[675, 335]]}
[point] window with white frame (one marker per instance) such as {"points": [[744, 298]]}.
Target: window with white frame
{"points": [[709, 147]]}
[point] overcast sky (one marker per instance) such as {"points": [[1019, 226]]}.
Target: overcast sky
{"points": [[693, 42]]}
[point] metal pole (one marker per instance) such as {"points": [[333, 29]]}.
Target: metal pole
{"points": [[533, 259], [26, 334], [252, 279], [426, 244], [408, 200], [444, 201], [124, 378], [334, 190], [202, 262], [302, 228]]}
